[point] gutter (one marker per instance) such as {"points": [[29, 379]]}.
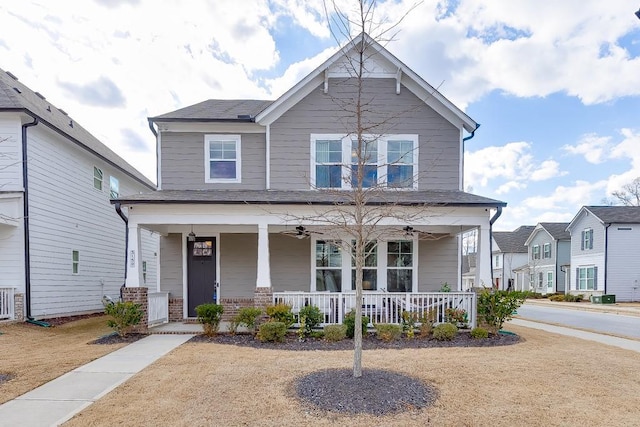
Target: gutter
{"points": [[493, 219], [25, 202], [126, 242], [465, 139]]}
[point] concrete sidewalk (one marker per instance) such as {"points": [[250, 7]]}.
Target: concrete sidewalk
{"points": [[57, 401], [591, 336], [626, 309]]}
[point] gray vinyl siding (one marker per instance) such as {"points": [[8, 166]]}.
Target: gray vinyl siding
{"points": [[182, 160], [563, 257], [67, 213], [623, 269], [439, 140], [543, 265], [238, 265], [438, 263], [290, 263], [171, 264]]}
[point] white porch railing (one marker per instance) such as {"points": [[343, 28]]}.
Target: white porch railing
{"points": [[7, 302], [382, 307], [158, 307]]}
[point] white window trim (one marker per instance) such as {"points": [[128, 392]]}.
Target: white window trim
{"points": [[207, 161], [549, 279], [586, 278], [382, 158], [534, 249], [544, 247], [381, 266], [95, 168], [75, 265]]}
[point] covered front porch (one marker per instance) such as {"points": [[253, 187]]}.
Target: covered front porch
{"points": [[248, 255]]}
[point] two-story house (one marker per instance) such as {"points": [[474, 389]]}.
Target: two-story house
{"points": [[549, 257], [61, 242], [509, 252], [605, 241], [246, 187]]}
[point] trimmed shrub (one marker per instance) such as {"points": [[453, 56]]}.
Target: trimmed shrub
{"points": [[426, 323], [388, 331], [457, 316], [281, 313], [479, 333], [125, 315], [249, 317], [496, 307], [445, 332], [209, 315], [335, 332], [313, 317], [572, 298], [272, 332], [558, 298], [350, 322]]}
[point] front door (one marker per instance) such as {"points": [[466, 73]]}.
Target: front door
{"points": [[201, 272]]}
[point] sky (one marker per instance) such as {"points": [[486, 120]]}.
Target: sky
{"points": [[554, 84]]}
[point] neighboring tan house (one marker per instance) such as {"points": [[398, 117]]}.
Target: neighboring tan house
{"points": [[61, 242], [605, 242], [549, 257], [245, 187], [509, 252]]}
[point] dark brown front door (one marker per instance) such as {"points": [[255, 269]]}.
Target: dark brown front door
{"points": [[201, 272]]}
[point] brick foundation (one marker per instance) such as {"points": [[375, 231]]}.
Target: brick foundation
{"points": [[18, 301], [232, 306], [176, 314], [139, 296], [263, 297]]}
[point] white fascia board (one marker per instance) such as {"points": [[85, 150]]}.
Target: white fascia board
{"points": [[214, 127]]}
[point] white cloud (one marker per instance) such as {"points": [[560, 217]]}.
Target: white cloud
{"points": [[595, 149], [548, 169]]}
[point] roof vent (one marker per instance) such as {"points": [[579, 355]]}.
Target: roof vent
{"points": [[62, 111], [70, 123], [10, 74], [39, 95], [17, 90], [49, 108], [244, 116]]}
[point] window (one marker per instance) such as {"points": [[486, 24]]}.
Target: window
{"points": [[114, 187], [75, 262], [222, 158], [328, 266], [496, 262], [387, 161], [370, 269], [400, 266], [546, 250], [97, 178], [535, 252], [400, 167], [540, 278], [550, 279], [587, 239], [586, 278], [144, 271]]}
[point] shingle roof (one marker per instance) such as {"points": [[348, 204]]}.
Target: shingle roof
{"points": [[616, 214], [15, 96], [405, 198], [217, 109], [557, 230], [513, 241]]}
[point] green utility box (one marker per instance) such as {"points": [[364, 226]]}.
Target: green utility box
{"points": [[603, 299]]}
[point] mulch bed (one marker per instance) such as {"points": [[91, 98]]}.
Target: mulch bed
{"points": [[369, 342], [376, 392], [114, 338]]}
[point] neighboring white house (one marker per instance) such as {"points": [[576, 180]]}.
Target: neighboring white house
{"points": [[605, 243], [62, 244], [549, 257], [509, 253]]}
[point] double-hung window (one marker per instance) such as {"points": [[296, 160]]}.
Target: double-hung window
{"points": [[587, 239], [535, 252], [114, 187], [384, 161], [328, 266], [400, 266], [586, 278], [546, 250], [97, 178], [549, 279], [75, 262], [222, 158]]}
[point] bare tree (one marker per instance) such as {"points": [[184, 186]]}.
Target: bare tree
{"points": [[628, 195]]}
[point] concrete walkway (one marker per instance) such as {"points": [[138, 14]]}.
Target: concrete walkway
{"points": [[627, 309], [57, 401], [591, 336]]}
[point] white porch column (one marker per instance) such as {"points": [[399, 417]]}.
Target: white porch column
{"points": [[483, 258], [134, 270], [263, 279]]}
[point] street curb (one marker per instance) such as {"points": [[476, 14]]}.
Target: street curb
{"points": [[606, 308]]}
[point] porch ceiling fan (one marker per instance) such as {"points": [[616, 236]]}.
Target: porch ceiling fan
{"points": [[410, 232], [300, 232]]}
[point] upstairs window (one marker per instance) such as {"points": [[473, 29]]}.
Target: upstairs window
{"points": [[114, 187], [546, 250], [587, 239], [75, 262], [387, 161], [222, 158], [535, 252], [97, 178]]}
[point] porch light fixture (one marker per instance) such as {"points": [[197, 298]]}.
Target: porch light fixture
{"points": [[408, 231], [191, 236]]}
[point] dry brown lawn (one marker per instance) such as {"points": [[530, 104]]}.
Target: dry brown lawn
{"points": [[547, 380], [34, 355]]}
